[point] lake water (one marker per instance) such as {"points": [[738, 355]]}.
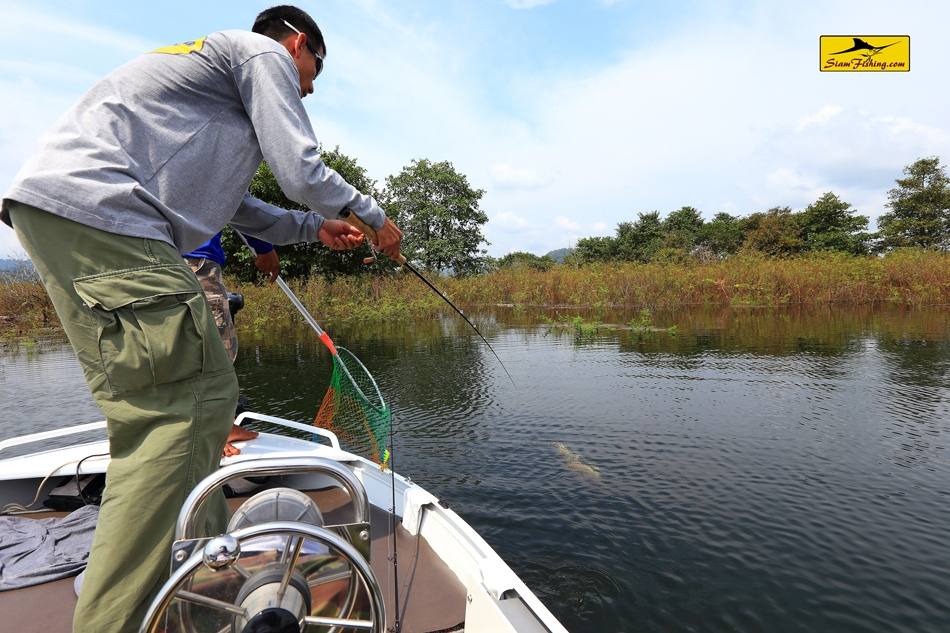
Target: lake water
{"points": [[756, 470]]}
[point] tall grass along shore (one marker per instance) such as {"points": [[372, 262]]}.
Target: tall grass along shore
{"points": [[906, 277]]}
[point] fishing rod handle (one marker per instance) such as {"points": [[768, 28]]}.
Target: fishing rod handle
{"points": [[351, 218]]}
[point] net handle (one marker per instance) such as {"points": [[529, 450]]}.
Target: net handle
{"points": [[324, 337]]}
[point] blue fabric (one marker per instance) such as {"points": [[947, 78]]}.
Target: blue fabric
{"points": [[213, 250]]}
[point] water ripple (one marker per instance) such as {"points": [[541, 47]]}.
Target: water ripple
{"points": [[758, 471]]}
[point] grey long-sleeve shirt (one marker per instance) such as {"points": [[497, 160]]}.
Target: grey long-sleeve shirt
{"points": [[165, 147]]}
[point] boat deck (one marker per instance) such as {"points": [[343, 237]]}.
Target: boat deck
{"points": [[431, 597]]}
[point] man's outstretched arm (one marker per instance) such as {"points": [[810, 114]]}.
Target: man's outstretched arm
{"points": [[283, 226]]}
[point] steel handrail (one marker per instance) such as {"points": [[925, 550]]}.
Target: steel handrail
{"points": [[264, 467], [299, 426]]}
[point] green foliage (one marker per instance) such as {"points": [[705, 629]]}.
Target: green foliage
{"points": [[438, 212], [581, 328], [643, 324], [919, 217], [722, 236], [774, 232], [829, 224], [521, 259], [640, 241], [585, 328], [240, 262], [682, 228], [920, 208], [643, 321], [595, 249]]}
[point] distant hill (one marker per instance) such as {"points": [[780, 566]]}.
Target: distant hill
{"points": [[9, 265], [559, 254]]}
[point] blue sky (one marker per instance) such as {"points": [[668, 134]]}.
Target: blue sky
{"points": [[572, 115]]}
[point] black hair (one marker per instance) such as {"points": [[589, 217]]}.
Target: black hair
{"points": [[270, 22]]}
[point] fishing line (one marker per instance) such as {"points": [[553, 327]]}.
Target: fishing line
{"points": [[392, 529], [350, 218]]}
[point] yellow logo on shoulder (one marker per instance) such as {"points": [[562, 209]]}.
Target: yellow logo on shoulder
{"points": [[864, 53], [182, 49]]}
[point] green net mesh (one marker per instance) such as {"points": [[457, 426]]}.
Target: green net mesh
{"points": [[354, 409]]}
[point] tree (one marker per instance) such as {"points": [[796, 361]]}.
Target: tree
{"points": [[829, 224], [641, 240], [438, 212], [302, 260], [774, 232], [521, 259], [722, 236], [682, 228], [595, 249], [920, 208]]}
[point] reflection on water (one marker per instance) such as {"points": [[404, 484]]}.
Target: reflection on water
{"points": [[41, 389], [781, 470]]}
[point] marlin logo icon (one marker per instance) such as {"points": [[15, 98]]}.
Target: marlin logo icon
{"points": [[861, 45]]}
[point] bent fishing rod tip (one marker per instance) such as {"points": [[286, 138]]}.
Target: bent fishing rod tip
{"points": [[348, 216]]}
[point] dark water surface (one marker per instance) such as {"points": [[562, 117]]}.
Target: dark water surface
{"points": [[758, 470]]}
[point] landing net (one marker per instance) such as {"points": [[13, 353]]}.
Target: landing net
{"points": [[354, 409]]}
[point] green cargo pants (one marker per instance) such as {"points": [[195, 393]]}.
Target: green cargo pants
{"points": [[144, 335]]}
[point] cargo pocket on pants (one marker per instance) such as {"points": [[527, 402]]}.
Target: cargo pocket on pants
{"points": [[150, 325]]}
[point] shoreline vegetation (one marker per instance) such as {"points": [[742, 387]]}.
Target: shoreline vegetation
{"points": [[906, 277]]}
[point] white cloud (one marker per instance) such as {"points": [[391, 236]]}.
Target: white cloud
{"points": [[787, 181], [825, 114], [508, 219], [18, 20], [9, 244], [506, 176], [55, 71], [33, 110], [857, 153]]}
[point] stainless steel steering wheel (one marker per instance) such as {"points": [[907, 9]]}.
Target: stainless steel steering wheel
{"points": [[260, 590]]}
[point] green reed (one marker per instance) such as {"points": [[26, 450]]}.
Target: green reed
{"points": [[907, 277]]}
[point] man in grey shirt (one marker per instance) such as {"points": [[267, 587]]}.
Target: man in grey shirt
{"points": [[154, 160]]}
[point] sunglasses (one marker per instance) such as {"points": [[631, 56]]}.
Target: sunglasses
{"points": [[317, 56]]}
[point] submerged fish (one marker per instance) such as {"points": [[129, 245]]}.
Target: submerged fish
{"points": [[573, 462]]}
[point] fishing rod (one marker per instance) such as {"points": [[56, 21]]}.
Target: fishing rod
{"points": [[350, 218]]}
